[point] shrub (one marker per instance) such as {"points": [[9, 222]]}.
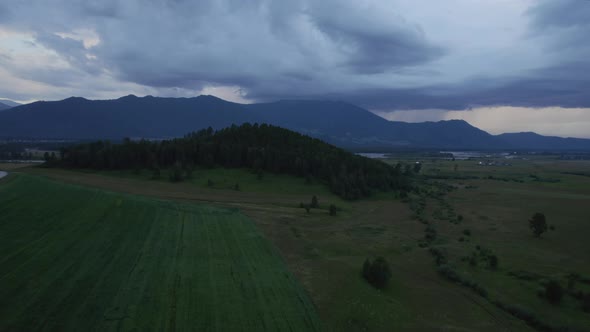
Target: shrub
{"points": [[209, 183], [467, 232], [493, 261], [377, 273], [314, 202], [333, 209], [430, 233], [237, 187], [538, 224], [553, 292]]}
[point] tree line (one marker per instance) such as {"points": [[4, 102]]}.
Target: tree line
{"points": [[258, 147]]}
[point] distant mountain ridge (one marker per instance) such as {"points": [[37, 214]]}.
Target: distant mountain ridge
{"points": [[339, 123], [3, 107], [9, 103]]}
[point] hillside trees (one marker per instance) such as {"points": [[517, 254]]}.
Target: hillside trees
{"points": [[261, 148]]}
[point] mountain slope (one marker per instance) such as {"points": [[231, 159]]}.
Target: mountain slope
{"points": [[9, 103], [3, 107], [338, 123], [130, 116]]}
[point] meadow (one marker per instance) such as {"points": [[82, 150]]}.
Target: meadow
{"points": [[81, 259], [325, 253]]}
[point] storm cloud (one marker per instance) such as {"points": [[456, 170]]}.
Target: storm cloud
{"points": [[383, 55]]}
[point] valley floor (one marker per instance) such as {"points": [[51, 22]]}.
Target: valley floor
{"points": [[326, 253]]}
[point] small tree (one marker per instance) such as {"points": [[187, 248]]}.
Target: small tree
{"points": [[538, 224], [417, 167], [553, 292], [377, 273], [493, 261], [333, 210], [314, 202]]}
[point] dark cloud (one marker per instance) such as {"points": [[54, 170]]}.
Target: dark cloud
{"points": [[299, 46], [372, 53]]}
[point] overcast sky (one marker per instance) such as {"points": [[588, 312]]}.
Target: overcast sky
{"points": [[504, 65]]}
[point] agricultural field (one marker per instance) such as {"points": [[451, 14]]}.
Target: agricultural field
{"points": [[80, 259], [481, 211]]}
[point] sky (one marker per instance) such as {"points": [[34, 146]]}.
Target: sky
{"points": [[502, 65]]}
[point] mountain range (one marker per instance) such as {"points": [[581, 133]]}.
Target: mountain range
{"points": [[339, 123]]}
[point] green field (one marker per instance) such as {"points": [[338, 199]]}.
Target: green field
{"points": [[82, 259], [325, 253]]}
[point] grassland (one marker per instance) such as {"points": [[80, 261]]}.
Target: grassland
{"points": [[81, 259], [495, 203], [325, 253]]}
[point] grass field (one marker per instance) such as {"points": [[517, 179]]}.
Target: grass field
{"points": [[82, 259], [496, 203], [326, 253]]}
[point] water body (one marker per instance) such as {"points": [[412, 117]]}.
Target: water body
{"points": [[3, 174], [373, 155]]}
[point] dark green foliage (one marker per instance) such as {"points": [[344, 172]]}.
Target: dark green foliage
{"points": [[430, 233], [175, 174], [301, 205], [417, 167], [473, 260], [450, 274], [552, 227], [538, 224], [333, 209], [440, 258], [460, 218], [467, 232], [314, 202], [377, 273], [493, 261], [307, 208], [553, 292], [586, 303], [236, 187], [209, 183], [366, 269], [258, 147]]}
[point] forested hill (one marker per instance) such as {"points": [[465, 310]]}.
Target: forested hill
{"points": [[261, 148]]}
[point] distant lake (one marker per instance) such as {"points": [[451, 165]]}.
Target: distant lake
{"points": [[3, 174], [464, 155], [373, 155]]}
